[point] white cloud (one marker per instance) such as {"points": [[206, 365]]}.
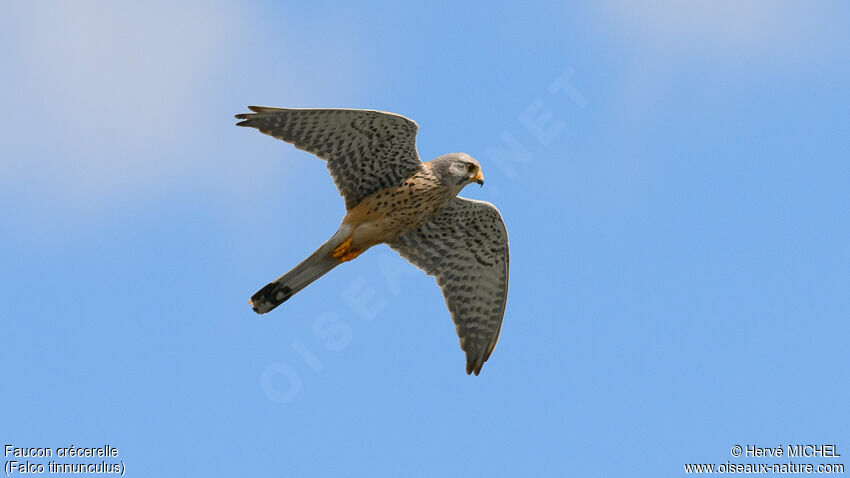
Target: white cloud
{"points": [[733, 29], [98, 87], [661, 39], [109, 106]]}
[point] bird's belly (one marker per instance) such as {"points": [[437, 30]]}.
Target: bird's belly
{"points": [[387, 227], [387, 214]]}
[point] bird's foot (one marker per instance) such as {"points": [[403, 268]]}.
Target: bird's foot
{"points": [[341, 249], [345, 253], [351, 254]]}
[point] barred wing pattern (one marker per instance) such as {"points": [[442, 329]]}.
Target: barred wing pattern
{"points": [[465, 248], [365, 150]]}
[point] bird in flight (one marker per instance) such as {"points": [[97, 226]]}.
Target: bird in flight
{"points": [[392, 197]]}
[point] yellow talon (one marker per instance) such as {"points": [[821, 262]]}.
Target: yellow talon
{"points": [[342, 249], [351, 254], [344, 252]]}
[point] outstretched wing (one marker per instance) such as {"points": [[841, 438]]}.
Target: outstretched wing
{"points": [[465, 248], [365, 150]]}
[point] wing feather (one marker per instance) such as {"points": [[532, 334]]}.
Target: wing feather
{"points": [[465, 248], [365, 150]]}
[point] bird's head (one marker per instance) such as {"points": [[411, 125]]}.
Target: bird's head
{"points": [[457, 170]]}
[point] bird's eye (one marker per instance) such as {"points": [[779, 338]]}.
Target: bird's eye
{"points": [[470, 168]]}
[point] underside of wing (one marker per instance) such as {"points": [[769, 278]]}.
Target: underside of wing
{"points": [[466, 249], [365, 150]]}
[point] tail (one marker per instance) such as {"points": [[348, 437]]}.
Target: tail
{"points": [[318, 264]]}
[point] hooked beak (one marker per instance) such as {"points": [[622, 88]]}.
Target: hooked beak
{"points": [[479, 178]]}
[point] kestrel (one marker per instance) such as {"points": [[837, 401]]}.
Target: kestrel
{"points": [[392, 197]]}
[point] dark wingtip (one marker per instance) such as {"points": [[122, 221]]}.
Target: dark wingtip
{"points": [[248, 116]]}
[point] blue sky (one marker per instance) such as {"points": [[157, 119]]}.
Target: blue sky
{"points": [[679, 217]]}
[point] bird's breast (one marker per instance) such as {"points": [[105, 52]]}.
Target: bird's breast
{"points": [[390, 212]]}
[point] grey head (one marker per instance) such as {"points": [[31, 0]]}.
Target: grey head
{"points": [[456, 170]]}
